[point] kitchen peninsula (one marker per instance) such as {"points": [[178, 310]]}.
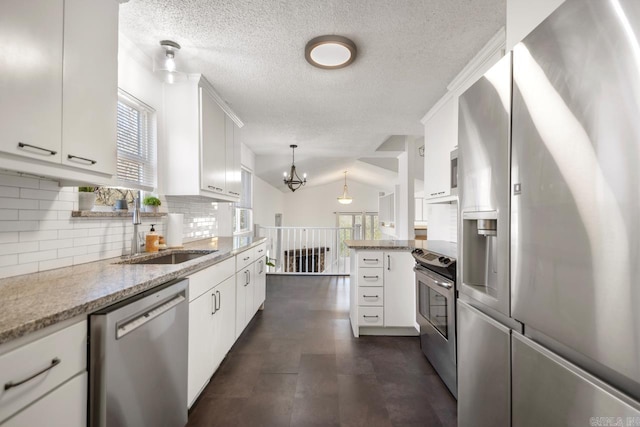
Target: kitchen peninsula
{"points": [[382, 294]]}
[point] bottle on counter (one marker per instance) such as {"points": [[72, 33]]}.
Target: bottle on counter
{"points": [[152, 240]]}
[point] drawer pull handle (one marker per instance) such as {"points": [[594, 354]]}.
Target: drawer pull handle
{"points": [[214, 188], [375, 317], [370, 277], [369, 296], [370, 259], [244, 259], [55, 362], [93, 162], [23, 145]]}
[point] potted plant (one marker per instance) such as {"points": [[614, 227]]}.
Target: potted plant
{"points": [[151, 204], [86, 198]]}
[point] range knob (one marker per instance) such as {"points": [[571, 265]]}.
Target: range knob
{"points": [[446, 260], [441, 259]]}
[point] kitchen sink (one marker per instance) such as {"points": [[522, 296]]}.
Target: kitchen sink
{"points": [[174, 258]]}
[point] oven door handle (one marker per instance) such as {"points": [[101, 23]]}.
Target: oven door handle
{"points": [[442, 284]]}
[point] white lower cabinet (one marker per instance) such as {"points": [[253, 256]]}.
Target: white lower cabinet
{"points": [[53, 360], [399, 290], [251, 281], [211, 327], [260, 284], [201, 333], [244, 298], [382, 293], [65, 406]]}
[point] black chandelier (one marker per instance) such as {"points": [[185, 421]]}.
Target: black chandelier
{"points": [[292, 180]]}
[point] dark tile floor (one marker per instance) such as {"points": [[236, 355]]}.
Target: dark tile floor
{"points": [[297, 364]]}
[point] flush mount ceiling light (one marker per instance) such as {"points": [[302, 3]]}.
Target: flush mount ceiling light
{"points": [[167, 64], [345, 199], [292, 180], [330, 52]]}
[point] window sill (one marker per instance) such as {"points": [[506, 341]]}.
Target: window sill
{"points": [[114, 214]]}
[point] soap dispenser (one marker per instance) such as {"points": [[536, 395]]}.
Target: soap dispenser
{"points": [[152, 240]]}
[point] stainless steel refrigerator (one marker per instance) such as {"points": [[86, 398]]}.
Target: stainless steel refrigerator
{"points": [[549, 303], [575, 217], [483, 309]]}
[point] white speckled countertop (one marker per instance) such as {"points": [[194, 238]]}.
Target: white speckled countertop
{"points": [[34, 301]]}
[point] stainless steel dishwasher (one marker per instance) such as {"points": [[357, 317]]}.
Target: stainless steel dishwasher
{"points": [[138, 360]]}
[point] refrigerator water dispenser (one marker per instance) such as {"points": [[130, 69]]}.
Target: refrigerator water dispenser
{"points": [[480, 268]]}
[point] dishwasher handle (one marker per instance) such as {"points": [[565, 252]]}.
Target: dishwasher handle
{"points": [[148, 315]]}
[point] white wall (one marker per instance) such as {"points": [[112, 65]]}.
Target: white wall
{"points": [[315, 206], [267, 202], [443, 222], [524, 15], [135, 76]]}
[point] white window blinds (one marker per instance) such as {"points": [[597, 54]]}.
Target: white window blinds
{"points": [[247, 190], [136, 166]]}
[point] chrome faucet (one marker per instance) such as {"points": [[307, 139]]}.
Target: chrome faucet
{"points": [[135, 240]]}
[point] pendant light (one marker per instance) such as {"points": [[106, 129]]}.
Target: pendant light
{"points": [[345, 199], [292, 180]]}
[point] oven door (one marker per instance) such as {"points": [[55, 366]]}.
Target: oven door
{"points": [[435, 313]]}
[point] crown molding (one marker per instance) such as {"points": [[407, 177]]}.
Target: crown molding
{"points": [[495, 44], [201, 79]]}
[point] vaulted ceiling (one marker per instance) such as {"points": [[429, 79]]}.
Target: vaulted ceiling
{"points": [[252, 51]]}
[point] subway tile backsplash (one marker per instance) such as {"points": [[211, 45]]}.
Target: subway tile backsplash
{"points": [[37, 232]]}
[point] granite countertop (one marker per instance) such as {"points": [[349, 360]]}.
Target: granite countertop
{"points": [[381, 244], [442, 247], [34, 301]]}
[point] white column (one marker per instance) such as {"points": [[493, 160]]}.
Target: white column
{"points": [[405, 201]]}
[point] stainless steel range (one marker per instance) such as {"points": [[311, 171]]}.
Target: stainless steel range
{"points": [[435, 307]]}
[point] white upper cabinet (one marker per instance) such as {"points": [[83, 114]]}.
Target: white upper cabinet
{"points": [[90, 85], [441, 123], [200, 142], [213, 144], [232, 152], [441, 137], [59, 88], [31, 81]]}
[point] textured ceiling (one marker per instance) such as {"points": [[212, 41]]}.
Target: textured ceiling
{"points": [[253, 53]]}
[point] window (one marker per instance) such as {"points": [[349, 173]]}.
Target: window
{"points": [[136, 164], [367, 222], [243, 221]]}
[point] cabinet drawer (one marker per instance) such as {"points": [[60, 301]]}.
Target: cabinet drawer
{"points": [[370, 259], [206, 279], [65, 354], [245, 258], [372, 296], [259, 251], [371, 316], [64, 407], [370, 276]]}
